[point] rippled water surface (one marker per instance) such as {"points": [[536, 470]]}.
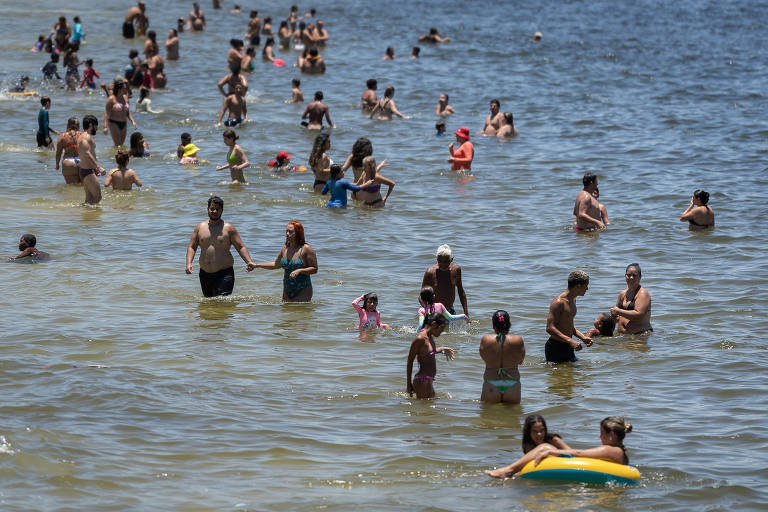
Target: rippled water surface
{"points": [[124, 389]]}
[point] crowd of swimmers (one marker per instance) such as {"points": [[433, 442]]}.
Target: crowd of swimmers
{"points": [[501, 351]]}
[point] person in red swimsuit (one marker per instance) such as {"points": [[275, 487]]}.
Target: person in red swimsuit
{"points": [[461, 159]]}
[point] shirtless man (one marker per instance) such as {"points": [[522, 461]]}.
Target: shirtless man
{"points": [[215, 237], [89, 166], [560, 346], [445, 278], [494, 120], [314, 63], [232, 79], [235, 103], [196, 19], [136, 15], [315, 112], [28, 250], [369, 99], [587, 209], [122, 178], [254, 28]]}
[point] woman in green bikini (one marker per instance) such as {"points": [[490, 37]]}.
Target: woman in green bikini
{"points": [[299, 261], [236, 159], [502, 352]]}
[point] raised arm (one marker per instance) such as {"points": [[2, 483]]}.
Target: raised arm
{"points": [[347, 164]]}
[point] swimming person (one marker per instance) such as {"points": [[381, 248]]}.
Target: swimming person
{"points": [[433, 37], [122, 178], [698, 214], [586, 209], [386, 106], [502, 353], [370, 184], [236, 158], [604, 324], [461, 159], [424, 349], [612, 432], [28, 250], [66, 146], [236, 105], [215, 237], [338, 188], [389, 54], [430, 307], [633, 307], [145, 103], [560, 346], [445, 278], [535, 433], [89, 167], [369, 316], [320, 162], [298, 261]]}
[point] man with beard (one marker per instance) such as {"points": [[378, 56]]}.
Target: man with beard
{"points": [[215, 237], [89, 167]]}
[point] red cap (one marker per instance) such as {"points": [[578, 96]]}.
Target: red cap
{"points": [[283, 156], [462, 132]]}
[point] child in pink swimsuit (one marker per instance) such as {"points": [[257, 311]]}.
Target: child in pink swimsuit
{"points": [[429, 306], [369, 317]]}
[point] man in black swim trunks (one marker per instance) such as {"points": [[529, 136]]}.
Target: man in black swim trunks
{"points": [[135, 15], [560, 346], [215, 237]]}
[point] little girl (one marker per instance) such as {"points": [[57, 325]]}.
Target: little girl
{"points": [[369, 317], [428, 306]]}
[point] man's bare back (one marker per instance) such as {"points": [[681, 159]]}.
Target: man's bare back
{"points": [[315, 112], [586, 209]]}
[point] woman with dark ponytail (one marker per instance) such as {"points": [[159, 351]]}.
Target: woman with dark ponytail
{"points": [[698, 214], [502, 352], [424, 349]]}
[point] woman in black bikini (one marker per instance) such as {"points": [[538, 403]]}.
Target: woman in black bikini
{"points": [[117, 113], [633, 307], [320, 162], [698, 214]]}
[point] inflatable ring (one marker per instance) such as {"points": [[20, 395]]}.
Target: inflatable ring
{"points": [[581, 469]]}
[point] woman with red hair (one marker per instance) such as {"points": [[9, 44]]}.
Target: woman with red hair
{"points": [[299, 261]]}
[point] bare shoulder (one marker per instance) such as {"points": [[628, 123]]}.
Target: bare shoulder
{"points": [[514, 339]]}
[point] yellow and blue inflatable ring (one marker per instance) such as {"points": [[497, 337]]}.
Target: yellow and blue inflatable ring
{"points": [[581, 469]]}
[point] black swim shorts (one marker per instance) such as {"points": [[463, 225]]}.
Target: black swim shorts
{"points": [[217, 283], [559, 352]]}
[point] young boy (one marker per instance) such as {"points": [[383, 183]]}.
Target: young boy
{"points": [[43, 129], [440, 127], [338, 188], [50, 70], [88, 74], [187, 152], [77, 31], [296, 95], [122, 178], [27, 248]]}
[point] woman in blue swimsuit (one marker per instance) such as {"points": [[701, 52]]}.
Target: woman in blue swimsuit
{"points": [[298, 260]]}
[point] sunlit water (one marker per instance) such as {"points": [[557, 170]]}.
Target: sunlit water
{"points": [[125, 390]]}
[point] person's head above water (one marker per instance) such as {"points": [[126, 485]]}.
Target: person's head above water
{"points": [[628, 272], [702, 196], [122, 157], [444, 255], [335, 171], [295, 232], [28, 241], [186, 138], [577, 278], [615, 428], [389, 91], [534, 432], [319, 96], [588, 179], [371, 84], [605, 324], [501, 321], [90, 123], [370, 301]]}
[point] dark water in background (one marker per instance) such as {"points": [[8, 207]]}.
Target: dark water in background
{"points": [[246, 404]]}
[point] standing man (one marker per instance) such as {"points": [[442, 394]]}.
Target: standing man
{"points": [[89, 167], [494, 119], [560, 346], [238, 110], [135, 15], [445, 278], [215, 237], [315, 111], [587, 208]]}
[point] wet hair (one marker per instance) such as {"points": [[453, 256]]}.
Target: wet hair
{"points": [[133, 53], [588, 178], [299, 230], [30, 240], [389, 91], [295, 82], [73, 123], [496, 102], [267, 19], [606, 324], [415, 51], [530, 421], [446, 97], [361, 149], [318, 95], [283, 23], [236, 43], [440, 125], [175, 32], [122, 156], [143, 93], [510, 118], [427, 296], [234, 67], [433, 30], [390, 50], [54, 57], [89, 121], [335, 171], [434, 318], [369, 163], [501, 322], [368, 296], [444, 250], [45, 100], [230, 133], [136, 149], [269, 42], [637, 266], [250, 51], [152, 36], [217, 201], [253, 14], [313, 52], [702, 196], [89, 63], [76, 19], [371, 83], [318, 147], [616, 425], [186, 136], [576, 278]]}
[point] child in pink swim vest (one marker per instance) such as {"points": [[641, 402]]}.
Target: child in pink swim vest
{"points": [[429, 306], [369, 316]]}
